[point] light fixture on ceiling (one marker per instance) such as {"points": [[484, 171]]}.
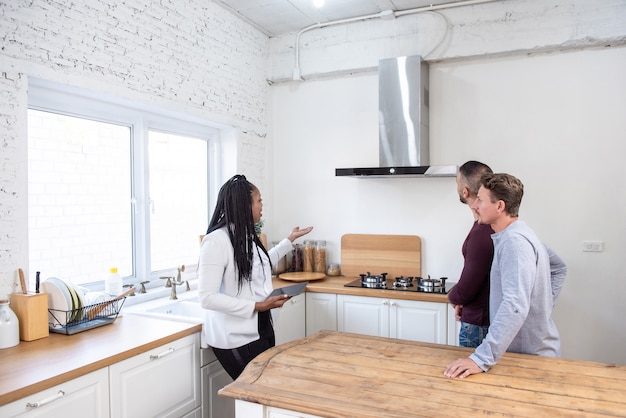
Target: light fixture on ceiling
{"points": [[318, 3]]}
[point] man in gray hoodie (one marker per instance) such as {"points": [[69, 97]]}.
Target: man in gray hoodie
{"points": [[526, 278]]}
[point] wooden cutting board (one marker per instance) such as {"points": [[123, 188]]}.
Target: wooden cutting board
{"points": [[301, 276], [397, 255]]}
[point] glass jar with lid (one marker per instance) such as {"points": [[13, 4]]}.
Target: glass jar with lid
{"points": [[307, 259], [296, 258], [319, 257], [333, 270], [281, 265]]}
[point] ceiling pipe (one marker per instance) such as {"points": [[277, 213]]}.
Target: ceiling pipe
{"points": [[385, 14]]}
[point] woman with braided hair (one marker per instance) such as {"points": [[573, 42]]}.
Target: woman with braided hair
{"points": [[235, 277]]}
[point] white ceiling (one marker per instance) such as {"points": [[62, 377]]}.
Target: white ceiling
{"points": [[277, 17]]}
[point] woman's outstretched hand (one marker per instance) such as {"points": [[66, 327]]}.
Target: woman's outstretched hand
{"points": [[296, 233]]}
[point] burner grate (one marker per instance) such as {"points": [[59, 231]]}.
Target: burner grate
{"points": [[402, 283]]}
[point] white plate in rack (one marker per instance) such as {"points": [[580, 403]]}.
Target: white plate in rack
{"points": [[81, 303], [59, 299]]}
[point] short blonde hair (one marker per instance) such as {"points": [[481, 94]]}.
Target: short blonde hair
{"points": [[504, 187]]}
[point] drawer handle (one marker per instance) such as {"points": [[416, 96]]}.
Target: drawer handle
{"points": [[161, 355], [46, 400]]}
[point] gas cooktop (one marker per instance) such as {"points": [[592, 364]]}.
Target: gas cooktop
{"points": [[403, 284]]}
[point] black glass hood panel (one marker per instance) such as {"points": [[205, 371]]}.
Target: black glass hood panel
{"points": [[413, 171]]}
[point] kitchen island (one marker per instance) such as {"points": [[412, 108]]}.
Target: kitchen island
{"points": [[333, 374]]}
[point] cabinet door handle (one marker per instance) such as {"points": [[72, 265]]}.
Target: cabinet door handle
{"points": [[394, 304], [161, 355], [45, 401], [385, 302]]}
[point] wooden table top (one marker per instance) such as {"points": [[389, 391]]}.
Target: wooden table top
{"points": [[332, 374], [33, 366]]}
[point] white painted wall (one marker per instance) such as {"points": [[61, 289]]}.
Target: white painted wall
{"points": [[554, 120]]}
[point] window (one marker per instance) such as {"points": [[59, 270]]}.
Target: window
{"points": [[79, 197], [178, 198], [115, 184]]}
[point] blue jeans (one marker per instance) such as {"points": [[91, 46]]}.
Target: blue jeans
{"points": [[472, 335]]}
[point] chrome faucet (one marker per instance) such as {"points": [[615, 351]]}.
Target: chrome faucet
{"points": [[173, 292], [143, 286], [130, 286], [168, 283], [177, 281]]}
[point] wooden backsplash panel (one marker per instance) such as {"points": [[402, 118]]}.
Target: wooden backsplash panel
{"points": [[397, 255]]}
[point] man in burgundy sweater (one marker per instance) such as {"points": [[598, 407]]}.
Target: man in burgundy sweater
{"points": [[470, 296]]}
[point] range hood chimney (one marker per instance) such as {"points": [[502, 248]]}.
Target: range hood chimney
{"points": [[403, 123]]}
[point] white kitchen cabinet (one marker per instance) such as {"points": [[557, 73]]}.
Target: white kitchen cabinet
{"points": [[418, 321], [196, 413], [86, 396], [285, 413], [247, 409], [363, 315], [162, 382], [290, 324], [454, 327], [321, 312], [214, 378], [394, 318]]}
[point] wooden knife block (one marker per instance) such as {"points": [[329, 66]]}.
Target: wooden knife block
{"points": [[32, 312]]}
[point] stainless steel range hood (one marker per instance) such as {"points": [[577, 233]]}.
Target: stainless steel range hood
{"points": [[403, 123]]}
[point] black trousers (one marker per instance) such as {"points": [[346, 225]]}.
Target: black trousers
{"points": [[234, 360]]}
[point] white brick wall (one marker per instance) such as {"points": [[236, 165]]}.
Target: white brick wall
{"points": [[189, 56], [12, 171]]}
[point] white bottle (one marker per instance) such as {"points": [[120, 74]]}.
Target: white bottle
{"points": [[113, 283]]}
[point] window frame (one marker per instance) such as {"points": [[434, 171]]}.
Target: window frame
{"points": [[52, 97]]}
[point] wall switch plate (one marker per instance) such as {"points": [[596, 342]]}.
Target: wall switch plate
{"points": [[593, 246]]}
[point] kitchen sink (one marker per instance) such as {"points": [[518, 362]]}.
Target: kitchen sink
{"points": [[189, 308], [184, 310]]}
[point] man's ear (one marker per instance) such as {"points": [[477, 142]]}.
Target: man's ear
{"points": [[466, 192]]}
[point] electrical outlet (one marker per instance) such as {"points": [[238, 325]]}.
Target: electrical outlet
{"points": [[593, 246]]}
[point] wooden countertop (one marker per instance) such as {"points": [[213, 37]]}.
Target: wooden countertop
{"points": [[33, 366], [332, 374], [335, 284]]}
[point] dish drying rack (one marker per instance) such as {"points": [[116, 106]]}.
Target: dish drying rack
{"points": [[84, 318]]}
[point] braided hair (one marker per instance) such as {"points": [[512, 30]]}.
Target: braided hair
{"points": [[234, 210]]}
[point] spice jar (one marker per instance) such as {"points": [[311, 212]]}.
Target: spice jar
{"points": [[319, 257], [296, 258], [333, 270], [307, 262], [9, 326]]}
